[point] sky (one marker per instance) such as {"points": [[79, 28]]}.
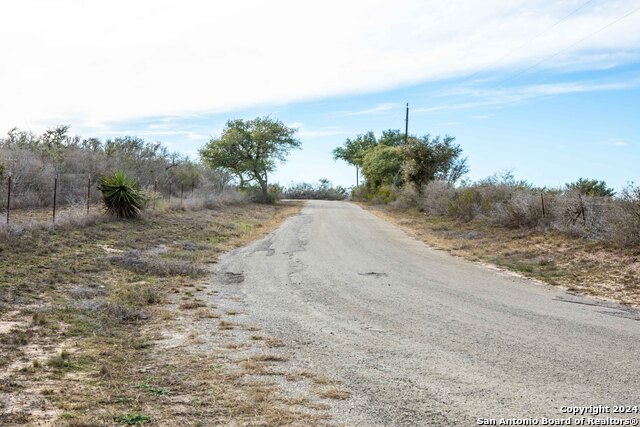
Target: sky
{"points": [[549, 89]]}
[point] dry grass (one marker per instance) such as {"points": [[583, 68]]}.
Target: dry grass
{"points": [[335, 393], [225, 325], [584, 266], [269, 358], [85, 340], [191, 305]]}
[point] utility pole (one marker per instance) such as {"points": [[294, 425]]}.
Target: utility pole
{"points": [[406, 125], [357, 177]]}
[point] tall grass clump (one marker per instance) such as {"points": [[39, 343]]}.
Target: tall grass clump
{"points": [[122, 196]]}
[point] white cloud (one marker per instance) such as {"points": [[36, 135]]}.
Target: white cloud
{"points": [[88, 63], [378, 109], [620, 144], [497, 97]]}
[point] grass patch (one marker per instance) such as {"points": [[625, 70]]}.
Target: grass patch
{"points": [[156, 391], [102, 290], [132, 419]]}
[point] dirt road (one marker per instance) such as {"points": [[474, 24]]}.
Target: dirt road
{"points": [[424, 338]]}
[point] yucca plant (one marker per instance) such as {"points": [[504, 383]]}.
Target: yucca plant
{"points": [[122, 195]]}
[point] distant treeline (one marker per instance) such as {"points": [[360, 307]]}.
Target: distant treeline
{"points": [[428, 174], [34, 161]]}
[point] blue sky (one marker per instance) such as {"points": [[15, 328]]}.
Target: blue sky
{"points": [[549, 128], [548, 89]]}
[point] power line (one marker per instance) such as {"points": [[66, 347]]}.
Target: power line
{"points": [[565, 49], [511, 52]]}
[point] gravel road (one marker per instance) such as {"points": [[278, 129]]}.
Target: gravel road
{"points": [[424, 338]]}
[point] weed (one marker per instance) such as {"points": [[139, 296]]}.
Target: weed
{"points": [[58, 362], [191, 305], [133, 419], [39, 319], [156, 391], [269, 358], [17, 337], [224, 325]]}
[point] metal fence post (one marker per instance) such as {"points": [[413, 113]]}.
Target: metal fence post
{"points": [[55, 194], [8, 198], [88, 195]]}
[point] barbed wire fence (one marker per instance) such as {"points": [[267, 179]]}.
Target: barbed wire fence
{"points": [[66, 193]]}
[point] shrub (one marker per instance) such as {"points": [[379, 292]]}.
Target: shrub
{"points": [[122, 196], [591, 187], [324, 190], [436, 198], [522, 209], [382, 165], [382, 194], [464, 204], [626, 218]]}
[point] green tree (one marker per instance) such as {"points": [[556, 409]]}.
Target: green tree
{"points": [[392, 138], [250, 149], [591, 187], [427, 159], [382, 164], [353, 150]]}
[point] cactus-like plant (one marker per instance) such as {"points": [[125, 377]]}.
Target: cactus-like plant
{"points": [[122, 195]]}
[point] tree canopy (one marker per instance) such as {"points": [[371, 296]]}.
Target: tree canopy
{"points": [[353, 150], [382, 164], [427, 159], [250, 149], [390, 160], [591, 187]]}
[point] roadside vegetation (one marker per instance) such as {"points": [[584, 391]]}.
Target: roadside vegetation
{"points": [[322, 190], [582, 236], [36, 162], [122, 321], [251, 150]]}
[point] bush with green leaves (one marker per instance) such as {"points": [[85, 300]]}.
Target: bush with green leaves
{"points": [[591, 187], [382, 165], [122, 195]]}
